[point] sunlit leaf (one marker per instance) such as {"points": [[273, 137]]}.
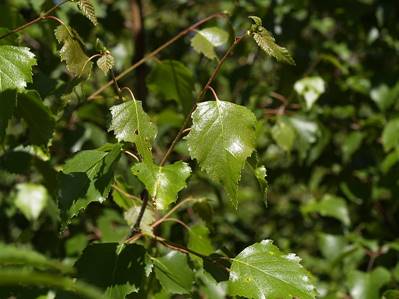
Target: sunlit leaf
{"points": [[390, 135], [263, 271], [220, 143], [106, 62], [267, 43], [366, 285], [131, 124], [15, 67], [311, 88], [88, 10], [284, 134]]}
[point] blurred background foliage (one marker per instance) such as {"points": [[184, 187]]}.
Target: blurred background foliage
{"points": [[328, 131]]}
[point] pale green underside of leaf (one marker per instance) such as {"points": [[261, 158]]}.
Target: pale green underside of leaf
{"points": [[263, 271], [222, 137], [163, 182], [31, 199], [106, 62], [267, 43], [131, 124], [15, 67], [205, 41], [88, 10]]}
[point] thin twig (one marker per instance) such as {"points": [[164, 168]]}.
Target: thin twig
{"points": [[34, 21], [177, 221], [123, 192], [131, 155], [155, 52], [136, 227], [199, 98], [118, 90], [171, 211]]}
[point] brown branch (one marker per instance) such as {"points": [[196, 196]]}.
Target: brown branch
{"points": [[156, 51], [34, 21]]}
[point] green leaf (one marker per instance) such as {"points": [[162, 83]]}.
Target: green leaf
{"points": [[163, 182], [8, 101], [88, 10], [284, 134], [330, 206], [86, 178], [121, 271], [132, 214], [391, 294], [351, 144], [198, 240], [367, 285], [331, 246], [106, 62], [207, 39], [16, 256], [220, 143], [40, 120], [260, 174], [311, 88], [263, 271], [173, 273], [390, 135], [131, 124], [77, 62], [384, 96], [267, 43], [15, 67], [174, 81], [31, 199]]}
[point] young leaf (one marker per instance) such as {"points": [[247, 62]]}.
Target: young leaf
{"points": [[267, 43], [106, 62], [174, 81], [15, 67], [71, 52], [121, 271], [173, 273], [88, 10], [131, 124], [207, 39], [222, 137], [31, 199], [263, 271], [330, 206], [8, 101], [162, 182], [40, 120]]}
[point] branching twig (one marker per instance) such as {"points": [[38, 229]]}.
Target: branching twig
{"points": [[171, 211], [34, 21], [156, 51]]}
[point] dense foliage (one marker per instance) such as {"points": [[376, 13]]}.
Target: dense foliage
{"points": [[187, 149]]}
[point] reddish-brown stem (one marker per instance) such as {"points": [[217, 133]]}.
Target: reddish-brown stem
{"points": [[156, 51], [34, 21], [200, 97]]}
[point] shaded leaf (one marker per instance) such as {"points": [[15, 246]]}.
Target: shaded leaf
{"points": [[284, 134], [121, 271], [131, 124], [267, 43], [15, 67], [263, 271], [367, 285], [220, 143], [331, 206], [174, 81], [41, 122], [163, 182], [8, 101], [207, 39], [199, 241], [173, 273], [390, 135]]}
